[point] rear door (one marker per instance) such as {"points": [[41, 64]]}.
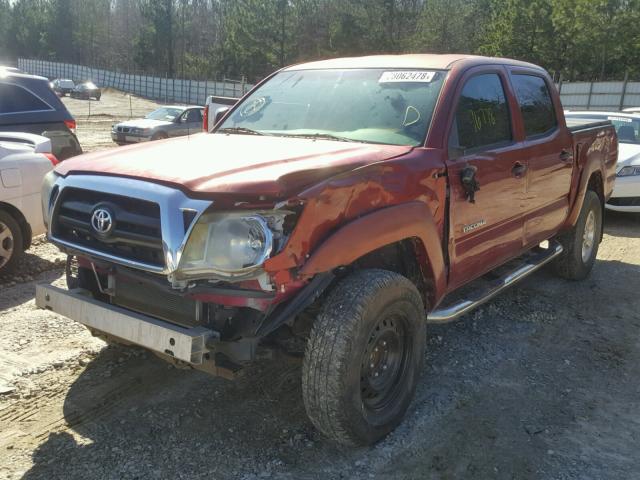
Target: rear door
{"points": [[548, 147], [485, 230]]}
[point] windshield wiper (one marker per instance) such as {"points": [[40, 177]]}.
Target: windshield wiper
{"points": [[240, 130], [320, 136]]}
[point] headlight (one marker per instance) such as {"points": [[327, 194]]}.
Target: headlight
{"points": [[629, 171], [48, 183], [231, 244]]}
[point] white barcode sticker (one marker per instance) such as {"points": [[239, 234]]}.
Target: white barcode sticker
{"points": [[419, 76]]}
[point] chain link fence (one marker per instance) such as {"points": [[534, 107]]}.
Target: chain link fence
{"points": [[166, 90]]}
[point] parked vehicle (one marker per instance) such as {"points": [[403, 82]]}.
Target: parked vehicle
{"points": [[214, 107], [165, 122], [63, 86], [335, 210], [24, 161], [10, 69], [86, 91], [626, 194], [27, 104]]}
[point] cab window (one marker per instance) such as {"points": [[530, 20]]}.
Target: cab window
{"points": [[535, 104], [482, 118]]}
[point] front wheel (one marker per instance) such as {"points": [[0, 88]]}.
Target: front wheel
{"points": [[11, 242], [582, 241], [364, 357]]}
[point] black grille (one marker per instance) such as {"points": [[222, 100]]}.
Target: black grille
{"points": [[136, 233], [625, 201], [123, 129], [146, 299]]}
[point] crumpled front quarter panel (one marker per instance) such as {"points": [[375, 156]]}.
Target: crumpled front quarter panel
{"points": [[335, 203]]}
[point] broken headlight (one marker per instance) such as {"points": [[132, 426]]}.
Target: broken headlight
{"points": [[230, 244]]}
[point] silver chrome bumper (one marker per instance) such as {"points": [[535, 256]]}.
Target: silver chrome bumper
{"points": [[187, 344]]}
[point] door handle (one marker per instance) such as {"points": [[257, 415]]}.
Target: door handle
{"points": [[518, 169], [566, 156]]}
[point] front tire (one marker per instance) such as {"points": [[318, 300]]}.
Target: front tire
{"points": [[11, 243], [159, 136], [364, 357], [582, 241]]}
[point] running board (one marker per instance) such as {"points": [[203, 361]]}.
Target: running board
{"points": [[484, 289]]}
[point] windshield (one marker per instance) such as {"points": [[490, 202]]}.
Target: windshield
{"points": [[627, 128], [165, 113], [368, 105]]}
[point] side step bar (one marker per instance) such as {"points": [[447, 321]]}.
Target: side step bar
{"points": [[528, 264]]}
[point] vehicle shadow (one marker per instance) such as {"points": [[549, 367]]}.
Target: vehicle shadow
{"points": [[15, 292], [535, 371], [621, 224], [142, 408]]}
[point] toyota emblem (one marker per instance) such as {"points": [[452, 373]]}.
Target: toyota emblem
{"points": [[102, 221]]}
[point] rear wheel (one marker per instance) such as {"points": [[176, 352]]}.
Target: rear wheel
{"points": [[11, 242], [582, 241], [364, 357]]}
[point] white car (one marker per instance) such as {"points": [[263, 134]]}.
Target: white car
{"points": [[24, 161], [626, 193]]}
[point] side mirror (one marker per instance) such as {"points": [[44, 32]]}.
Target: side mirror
{"points": [[220, 112]]}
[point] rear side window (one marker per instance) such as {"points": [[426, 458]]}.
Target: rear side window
{"points": [[14, 99], [482, 117], [535, 104]]}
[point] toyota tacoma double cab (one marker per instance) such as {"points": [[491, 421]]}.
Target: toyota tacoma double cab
{"points": [[331, 214]]}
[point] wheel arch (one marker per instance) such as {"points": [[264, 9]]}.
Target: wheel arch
{"points": [[592, 179], [402, 238]]}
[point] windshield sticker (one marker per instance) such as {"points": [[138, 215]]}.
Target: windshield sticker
{"points": [[417, 76], [620, 119]]}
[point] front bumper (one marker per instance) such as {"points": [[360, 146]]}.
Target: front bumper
{"points": [[186, 344], [128, 138], [626, 190]]}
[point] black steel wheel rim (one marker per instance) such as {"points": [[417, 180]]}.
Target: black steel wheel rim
{"points": [[384, 363]]}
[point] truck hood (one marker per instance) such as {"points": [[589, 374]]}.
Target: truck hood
{"points": [[628, 154], [219, 163], [144, 123]]}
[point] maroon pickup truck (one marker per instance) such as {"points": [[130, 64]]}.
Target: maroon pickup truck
{"points": [[331, 214]]}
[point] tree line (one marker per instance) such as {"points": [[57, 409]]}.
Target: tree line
{"points": [[575, 39]]}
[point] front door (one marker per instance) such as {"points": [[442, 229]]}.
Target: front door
{"points": [[486, 225]]}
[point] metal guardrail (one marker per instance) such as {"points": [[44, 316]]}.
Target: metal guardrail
{"points": [[600, 95]]}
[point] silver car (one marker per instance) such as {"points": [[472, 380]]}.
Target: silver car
{"points": [[165, 122]]}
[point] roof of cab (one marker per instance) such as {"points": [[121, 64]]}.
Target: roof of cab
{"points": [[435, 61]]}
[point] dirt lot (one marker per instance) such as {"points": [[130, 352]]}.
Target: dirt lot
{"points": [[96, 117], [541, 383]]}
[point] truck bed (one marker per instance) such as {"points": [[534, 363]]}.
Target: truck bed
{"points": [[578, 124]]}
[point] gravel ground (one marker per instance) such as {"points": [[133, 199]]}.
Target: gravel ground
{"points": [[540, 383]]}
